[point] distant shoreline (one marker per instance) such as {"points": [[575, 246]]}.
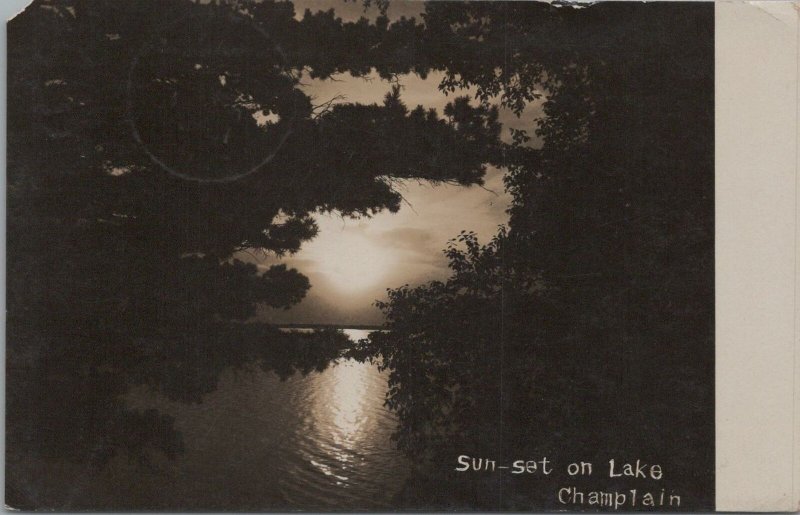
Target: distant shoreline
{"points": [[331, 326]]}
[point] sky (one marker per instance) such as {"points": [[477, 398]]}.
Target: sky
{"points": [[352, 10], [352, 262]]}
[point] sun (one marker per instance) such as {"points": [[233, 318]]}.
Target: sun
{"points": [[357, 265], [349, 259]]}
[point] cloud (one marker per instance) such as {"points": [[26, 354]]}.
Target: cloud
{"points": [[407, 238]]}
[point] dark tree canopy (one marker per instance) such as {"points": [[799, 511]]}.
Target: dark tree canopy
{"points": [[583, 330], [149, 142], [132, 116]]}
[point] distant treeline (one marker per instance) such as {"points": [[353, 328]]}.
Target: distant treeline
{"points": [[332, 326]]}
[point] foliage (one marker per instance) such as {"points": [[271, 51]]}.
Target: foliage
{"points": [[66, 392], [585, 329], [149, 142]]}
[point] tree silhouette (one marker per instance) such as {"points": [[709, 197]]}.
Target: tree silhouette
{"points": [[583, 331], [149, 142]]}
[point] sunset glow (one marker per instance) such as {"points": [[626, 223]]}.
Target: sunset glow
{"points": [[349, 261]]}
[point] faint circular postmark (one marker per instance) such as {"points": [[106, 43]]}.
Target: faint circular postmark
{"points": [[208, 97]]}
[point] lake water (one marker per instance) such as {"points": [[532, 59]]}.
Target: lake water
{"points": [[314, 442]]}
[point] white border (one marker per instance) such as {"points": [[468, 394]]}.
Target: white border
{"points": [[756, 212]]}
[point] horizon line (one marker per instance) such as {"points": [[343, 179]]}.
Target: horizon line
{"points": [[332, 326]]}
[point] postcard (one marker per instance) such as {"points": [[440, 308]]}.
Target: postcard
{"points": [[329, 255]]}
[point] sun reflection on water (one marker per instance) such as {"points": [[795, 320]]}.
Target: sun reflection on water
{"points": [[342, 410], [349, 391]]}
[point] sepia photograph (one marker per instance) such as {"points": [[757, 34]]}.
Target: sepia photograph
{"points": [[360, 255]]}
